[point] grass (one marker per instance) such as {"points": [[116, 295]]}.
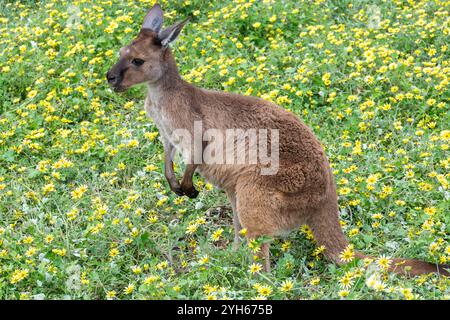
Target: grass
{"points": [[85, 211]]}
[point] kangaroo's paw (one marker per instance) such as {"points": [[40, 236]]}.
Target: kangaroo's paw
{"points": [[191, 192], [178, 191]]}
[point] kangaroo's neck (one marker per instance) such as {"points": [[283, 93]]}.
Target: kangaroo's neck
{"points": [[172, 95], [170, 79]]}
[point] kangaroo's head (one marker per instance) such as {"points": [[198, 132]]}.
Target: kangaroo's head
{"points": [[143, 60]]}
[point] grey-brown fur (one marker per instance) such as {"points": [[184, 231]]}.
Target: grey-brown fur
{"points": [[303, 189]]}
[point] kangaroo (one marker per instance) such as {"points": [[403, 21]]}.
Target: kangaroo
{"points": [[302, 191]]}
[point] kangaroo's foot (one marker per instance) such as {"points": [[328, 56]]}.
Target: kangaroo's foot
{"points": [[177, 190], [190, 192]]}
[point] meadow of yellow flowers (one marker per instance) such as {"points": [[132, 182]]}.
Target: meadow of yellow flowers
{"points": [[85, 211]]}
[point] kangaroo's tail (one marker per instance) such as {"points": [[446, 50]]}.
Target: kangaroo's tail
{"points": [[328, 233]]}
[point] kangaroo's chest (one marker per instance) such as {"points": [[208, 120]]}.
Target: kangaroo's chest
{"points": [[162, 119], [153, 110], [168, 124]]}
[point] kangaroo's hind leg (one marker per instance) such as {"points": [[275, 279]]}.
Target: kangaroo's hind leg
{"points": [[260, 213]]}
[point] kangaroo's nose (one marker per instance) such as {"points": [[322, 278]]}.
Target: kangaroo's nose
{"points": [[111, 78]]}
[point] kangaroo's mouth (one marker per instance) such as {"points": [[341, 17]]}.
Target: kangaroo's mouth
{"points": [[119, 88], [115, 81]]}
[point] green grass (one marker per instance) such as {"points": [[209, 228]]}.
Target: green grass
{"points": [[86, 213]]}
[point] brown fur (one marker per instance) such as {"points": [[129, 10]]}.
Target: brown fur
{"points": [[303, 190]]}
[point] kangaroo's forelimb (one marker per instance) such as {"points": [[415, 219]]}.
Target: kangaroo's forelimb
{"points": [[187, 184], [186, 188], [169, 152]]}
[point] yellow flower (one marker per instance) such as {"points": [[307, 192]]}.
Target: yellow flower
{"points": [[83, 278], [136, 269], [204, 260], [344, 191], [113, 252], [151, 135], [150, 167], [326, 78], [129, 289], [192, 228], [208, 186], [30, 252], [60, 252], [162, 201], [343, 293], [32, 94], [265, 290], [286, 286], [407, 293], [285, 246], [133, 143], [348, 254], [49, 238], [216, 235], [72, 214], [48, 188], [372, 179], [19, 275], [78, 192], [384, 262], [255, 267], [150, 279], [162, 265], [97, 228], [318, 251], [346, 281], [24, 296], [128, 105]]}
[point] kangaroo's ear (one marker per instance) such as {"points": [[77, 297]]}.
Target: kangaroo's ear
{"points": [[169, 34], [154, 19]]}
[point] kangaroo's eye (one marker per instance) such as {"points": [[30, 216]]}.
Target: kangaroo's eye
{"points": [[137, 62]]}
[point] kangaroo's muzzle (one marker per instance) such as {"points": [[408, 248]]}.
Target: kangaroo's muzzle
{"points": [[115, 80]]}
